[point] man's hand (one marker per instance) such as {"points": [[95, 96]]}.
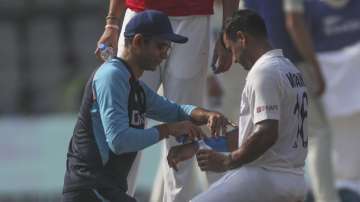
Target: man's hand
{"points": [[188, 128], [217, 123], [110, 38], [209, 160], [181, 153], [222, 58], [320, 82]]}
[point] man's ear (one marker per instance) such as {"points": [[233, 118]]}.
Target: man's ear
{"points": [[242, 37], [138, 41]]}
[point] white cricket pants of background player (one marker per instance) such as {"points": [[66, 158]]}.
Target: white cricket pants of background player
{"points": [[320, 145], [183, 76], [255, 184]]}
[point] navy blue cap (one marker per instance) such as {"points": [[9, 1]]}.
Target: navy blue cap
{"points": [[152, 23]]}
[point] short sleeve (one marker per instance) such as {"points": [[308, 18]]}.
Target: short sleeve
{"points": [[266, 96], [293, 6]]}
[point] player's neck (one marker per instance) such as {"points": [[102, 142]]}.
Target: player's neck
{"points": [[256, 50], [260, 49], [131, 61]]}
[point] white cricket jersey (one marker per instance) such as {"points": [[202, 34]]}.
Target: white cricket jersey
{"points": [[275, 90]]}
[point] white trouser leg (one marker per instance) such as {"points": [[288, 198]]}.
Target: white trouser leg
{"points": [[319, 156], [254, 184], [184, 80], [320, 145]]}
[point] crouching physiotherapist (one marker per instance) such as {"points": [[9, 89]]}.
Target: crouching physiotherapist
{"points": [[110, 127]]}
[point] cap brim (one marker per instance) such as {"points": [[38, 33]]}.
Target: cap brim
{"points": [[174, 38]]}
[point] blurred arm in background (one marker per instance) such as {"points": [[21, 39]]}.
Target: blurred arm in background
{"points": [[295, 24], [114, 21]]}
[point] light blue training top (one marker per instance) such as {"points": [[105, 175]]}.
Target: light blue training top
{"points": [[109, 113]]}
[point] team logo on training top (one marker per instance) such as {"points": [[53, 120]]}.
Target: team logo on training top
{"points": [[137, 119], [268, 108]]}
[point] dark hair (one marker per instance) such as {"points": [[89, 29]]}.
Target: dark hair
{"points": [[247, 21]]}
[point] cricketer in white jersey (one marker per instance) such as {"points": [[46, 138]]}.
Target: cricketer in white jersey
{"points": [[267, 164]]}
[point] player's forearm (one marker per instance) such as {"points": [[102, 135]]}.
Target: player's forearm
{"points": [[254, 147], [116, 12], [229, 7], [297, 29], [233, 139], [132, 139], [302, 40]]}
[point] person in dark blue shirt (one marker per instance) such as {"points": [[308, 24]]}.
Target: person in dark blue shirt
{"points": [[110, 127], [333, 24]]}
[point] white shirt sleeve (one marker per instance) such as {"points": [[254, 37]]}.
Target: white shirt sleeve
{"points": [[266, 96], [293, 6]]}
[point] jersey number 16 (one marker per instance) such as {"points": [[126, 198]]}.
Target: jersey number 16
{"points": [[301, 112]]}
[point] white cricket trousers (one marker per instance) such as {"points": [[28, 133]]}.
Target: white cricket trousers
{"points": [[320, 167], [183, 77], [255, 184]]}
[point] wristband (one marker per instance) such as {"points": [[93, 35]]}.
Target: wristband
{"points": [[110, 17], [112, 27]]}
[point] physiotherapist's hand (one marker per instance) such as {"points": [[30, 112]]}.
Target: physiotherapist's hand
{"points": [[181, 153], [209, 160], [217, 123], [188, 128], [109, 37]]}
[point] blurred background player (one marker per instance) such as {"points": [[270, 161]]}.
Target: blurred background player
{"points": [[214, 83], [287, 30], [335, 29], [182, 75]]}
